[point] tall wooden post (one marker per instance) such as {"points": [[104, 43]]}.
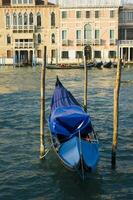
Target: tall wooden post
{"points": [[85, 84], [42, 113], [116, 113]]}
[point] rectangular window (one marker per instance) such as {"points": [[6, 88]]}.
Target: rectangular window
{"points": [[97, 54], [8, 39], [39, 54], [78, 14], [53, 53], [64, 14], [14, 1], [78, 34], [112, 13], [97, 14], [65, 54], [88, 14], [129, 16], [112, 34], [9, 54], [122, 35], [79, 54], [19, 1], [97, 34], [112, 54], [64, 34]]}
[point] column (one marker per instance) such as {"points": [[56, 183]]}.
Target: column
{"points": [[128, 54], [121, 52], [92, 50], [19, 58], [56, 54]]}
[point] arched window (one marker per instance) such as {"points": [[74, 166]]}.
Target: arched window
{"points": [[39, 38], [25, 19], [7, 20], [8, 39], [88, 33], [14, 19], [52, 19], [20, 20], [30, 19], [53, 38], [38, 19]]}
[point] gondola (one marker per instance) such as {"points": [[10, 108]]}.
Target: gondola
{"points": [[107, 64], [72, 134], [98, 65]]}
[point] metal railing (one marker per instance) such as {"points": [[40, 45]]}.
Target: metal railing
{"points": [[24, 45]]}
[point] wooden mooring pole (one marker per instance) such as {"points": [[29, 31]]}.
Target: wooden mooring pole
{"points": [[116, 113], [42, 113], [85, 84]]}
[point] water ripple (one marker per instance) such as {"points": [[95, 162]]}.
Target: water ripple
{"points": [[23, 176]]}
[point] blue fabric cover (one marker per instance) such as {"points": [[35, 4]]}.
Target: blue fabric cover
{"points": [[66, 114], [70, 153], [90, 153]]}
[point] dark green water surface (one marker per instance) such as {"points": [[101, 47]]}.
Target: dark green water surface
{"points": [[23, 176]]}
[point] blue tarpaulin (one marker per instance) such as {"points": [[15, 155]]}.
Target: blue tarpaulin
{"points": [[67, 117]]}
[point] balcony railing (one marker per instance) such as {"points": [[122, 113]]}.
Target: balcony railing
{"points": [[88, 42], [97, 41], [24, 45], [113, 41], [64, 42], [79, 42], [20, 28], [126, 42], [67, 42], [24, 28]]}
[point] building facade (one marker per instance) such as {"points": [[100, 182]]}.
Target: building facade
{"points": [[27, 27], [93, 26], [125, 45], [65, 29]]}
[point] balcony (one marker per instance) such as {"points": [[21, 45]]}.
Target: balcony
{"points": [[64, 42], [97, 42], [88, 42], [23, 29], [24, 45], [113, 41], [126, 42], [79, 42]]}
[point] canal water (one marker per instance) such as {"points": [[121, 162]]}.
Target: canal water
{"points": [[23, 176]]}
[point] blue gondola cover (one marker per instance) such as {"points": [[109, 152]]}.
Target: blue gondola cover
{"points": [[67, 116], [69, 121]]}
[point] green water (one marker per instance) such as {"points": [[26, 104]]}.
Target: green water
{"points": [[23, 176]]}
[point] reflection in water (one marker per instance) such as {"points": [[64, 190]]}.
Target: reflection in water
{"points": [[23, 175]]}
